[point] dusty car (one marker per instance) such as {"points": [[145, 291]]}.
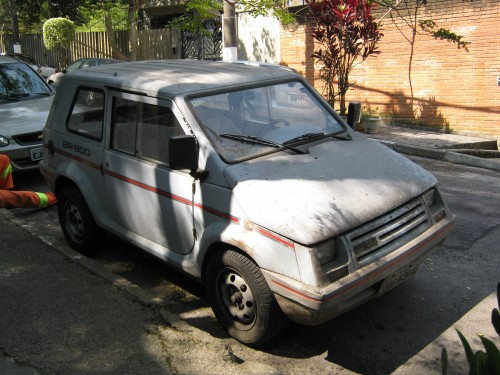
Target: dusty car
{"points": [[55, 78], [43, 70], [25, 101], [244, 178]]}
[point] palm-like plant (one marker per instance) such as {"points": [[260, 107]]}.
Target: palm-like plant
{"points": [[346, 33]]}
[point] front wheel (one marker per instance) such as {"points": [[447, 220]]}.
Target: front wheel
{"points": [[241, 298], [77, 223]]}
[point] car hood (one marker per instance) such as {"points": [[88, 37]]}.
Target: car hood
{"points": [[337, 186], [24, 116]]}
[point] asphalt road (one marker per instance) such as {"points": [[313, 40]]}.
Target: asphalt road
{"points": [[377, 337]]}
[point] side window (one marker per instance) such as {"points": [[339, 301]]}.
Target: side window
{"points": [[143, 129], [87, 114], [124, 128]]}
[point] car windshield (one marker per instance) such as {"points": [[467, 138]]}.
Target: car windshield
{"points": [[19, 82], [74, 66], [248, 123]]}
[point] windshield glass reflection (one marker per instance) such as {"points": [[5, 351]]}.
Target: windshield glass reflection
{"points": [[275, 114], [18, 81]]}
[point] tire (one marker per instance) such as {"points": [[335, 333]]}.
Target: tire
{"points": [[77, 223], [241, 299]]}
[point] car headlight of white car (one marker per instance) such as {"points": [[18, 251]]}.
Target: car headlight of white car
{"points": [[435, 204], [333, 258]]}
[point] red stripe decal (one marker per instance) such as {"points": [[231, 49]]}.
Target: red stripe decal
{"points": [[276, 238], [79, 159], [169, 195], [163, 193]]}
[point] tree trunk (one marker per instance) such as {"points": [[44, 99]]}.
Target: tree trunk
{"points": [[15, 24], [132, 29], [131, 54], [111, 37]]}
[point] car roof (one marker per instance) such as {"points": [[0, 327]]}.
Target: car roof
{"points": [[7, 60], [174, 77], [95, 59]]}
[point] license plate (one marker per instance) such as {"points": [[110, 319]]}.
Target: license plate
{"points": [[36, 153], [398, 277]]}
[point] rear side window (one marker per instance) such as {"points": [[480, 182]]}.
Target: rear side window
{"points": [[142, 129], [87, 114]]}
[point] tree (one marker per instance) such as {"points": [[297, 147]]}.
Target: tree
{"points": [[346, 33], [15, 23], [32, 14], [67, 8], [20, 16], [58, 33], [131, 7], [198, 11], [409, 12]]}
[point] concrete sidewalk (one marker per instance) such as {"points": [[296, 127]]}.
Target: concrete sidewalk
{"points": [[476, 322], [475, 151]]}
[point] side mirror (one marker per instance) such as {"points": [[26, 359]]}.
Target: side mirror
{"points": [[183, 153]]}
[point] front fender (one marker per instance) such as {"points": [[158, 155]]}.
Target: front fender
{"points": [[263, 247]]}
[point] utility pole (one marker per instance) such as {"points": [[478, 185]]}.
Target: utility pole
{"points": [[15, 27], [230, 51]]}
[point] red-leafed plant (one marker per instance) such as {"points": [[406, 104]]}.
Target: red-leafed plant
{"points": [[346, 33]]}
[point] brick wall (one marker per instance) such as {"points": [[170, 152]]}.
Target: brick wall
{"points": [[453, 90]]}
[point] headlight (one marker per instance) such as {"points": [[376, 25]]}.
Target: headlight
{"points": [[333, 258], [326, 252], [435, 204], [3, 141], [429, 198]]}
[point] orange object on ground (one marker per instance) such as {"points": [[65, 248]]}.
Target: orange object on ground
{"points": [[26, 199], [19, 199], [6, 181]]}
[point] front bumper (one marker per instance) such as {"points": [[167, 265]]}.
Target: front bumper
{"points": [[310, 305], [21, 156]]}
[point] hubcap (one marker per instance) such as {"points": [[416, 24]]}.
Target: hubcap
{"points": [[238, 298], [74, 222]]}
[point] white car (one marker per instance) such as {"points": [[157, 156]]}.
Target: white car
{"points": [[244, 178], [25, 101]]}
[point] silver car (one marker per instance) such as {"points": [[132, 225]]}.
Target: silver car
{"points": [[43, 70], [25, 101], [244, 178], [84, 63]]}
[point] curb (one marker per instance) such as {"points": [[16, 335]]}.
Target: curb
{"points": [[474, 324], [444, 155]]}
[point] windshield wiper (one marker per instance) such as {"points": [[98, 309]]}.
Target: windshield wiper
{"points": [[347, 136], [24, 95], [37, 93], [261, 141], [15, 96], [303, 137]]}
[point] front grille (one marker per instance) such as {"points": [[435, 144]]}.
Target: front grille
{"points": [[388, 232], [28, 139], [24, 163]]}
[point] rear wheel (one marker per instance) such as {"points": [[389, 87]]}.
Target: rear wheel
{"points": [[241, 298], [77, 223]]}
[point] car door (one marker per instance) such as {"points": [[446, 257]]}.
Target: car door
{"points": [[150, 203]]}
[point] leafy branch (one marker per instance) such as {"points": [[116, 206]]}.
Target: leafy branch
{"points": [[428, 26]]}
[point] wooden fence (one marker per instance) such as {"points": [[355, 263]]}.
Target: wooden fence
{"points": [[151, 44]]}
